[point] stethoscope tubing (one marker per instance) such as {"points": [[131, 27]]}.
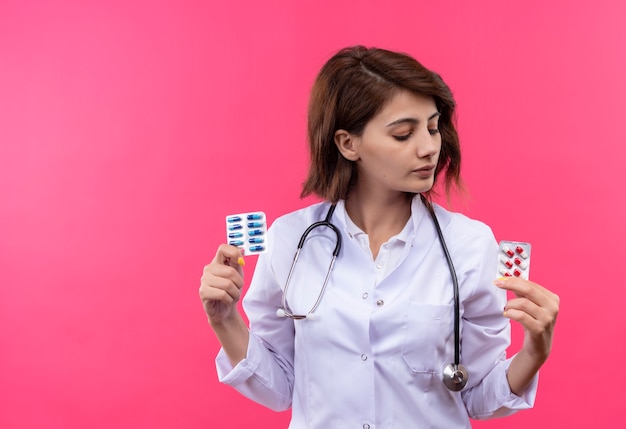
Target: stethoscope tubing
{"points": [[455, 283], [285, 311], [455, 375]]}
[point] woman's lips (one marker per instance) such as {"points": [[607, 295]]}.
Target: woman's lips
{"points": [[425, 172]]}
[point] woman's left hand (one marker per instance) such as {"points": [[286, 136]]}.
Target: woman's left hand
{"points": [[536, 308]]}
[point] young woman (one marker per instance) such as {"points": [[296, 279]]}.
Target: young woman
{"points": [[368, 342]]}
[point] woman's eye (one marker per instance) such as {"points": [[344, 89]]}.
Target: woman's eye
{"points": [[403, 137], [433, 131]]}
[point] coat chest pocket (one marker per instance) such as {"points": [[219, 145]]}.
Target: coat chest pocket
{"points": [[428, 334]]}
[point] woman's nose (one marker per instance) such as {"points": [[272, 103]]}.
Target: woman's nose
{"points": [[427, 144]]}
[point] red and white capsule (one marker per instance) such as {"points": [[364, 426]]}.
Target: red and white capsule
{"points": [[506, 262], [520, 263], [517, 273], [504, 272], [507, 251], [520, 251]]}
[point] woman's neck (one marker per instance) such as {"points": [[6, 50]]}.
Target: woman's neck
{"points": [[379, 217]]}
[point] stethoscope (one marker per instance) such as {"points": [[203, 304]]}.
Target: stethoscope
{"points": [[454, 375]]}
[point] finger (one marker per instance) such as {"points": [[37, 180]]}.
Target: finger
{"points": [[215, 271], [223, 291], [520, 316], [536, 327], [526, 306], [534, 318], [229, 255], [212, 286], [524, 288], [533, 291]]}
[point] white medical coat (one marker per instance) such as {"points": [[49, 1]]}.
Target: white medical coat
{"points": [[373, 356]]}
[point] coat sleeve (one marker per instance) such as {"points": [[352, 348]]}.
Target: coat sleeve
{"points": [[485, 338], [266, 375]]}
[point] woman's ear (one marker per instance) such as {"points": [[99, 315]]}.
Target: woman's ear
{"points": [[347, 145]]}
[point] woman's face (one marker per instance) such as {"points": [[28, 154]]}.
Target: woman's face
{"points": [[399, 148]]}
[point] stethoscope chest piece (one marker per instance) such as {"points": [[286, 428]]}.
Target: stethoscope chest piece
{"points": [[455, 377]]}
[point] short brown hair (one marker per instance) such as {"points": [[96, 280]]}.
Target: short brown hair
{"points": [[351, 88]]}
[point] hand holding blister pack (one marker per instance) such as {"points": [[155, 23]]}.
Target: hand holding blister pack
{"points": [[514, 259], [248, 231]]}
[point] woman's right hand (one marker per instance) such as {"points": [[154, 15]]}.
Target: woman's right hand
{"points": [[221, 283]]}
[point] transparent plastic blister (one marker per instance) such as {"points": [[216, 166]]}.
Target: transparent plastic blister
{"points": [[248, 231], [514, 259]]}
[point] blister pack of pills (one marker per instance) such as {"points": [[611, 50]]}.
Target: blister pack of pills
{"points": [[514, 259], [247, 231]]}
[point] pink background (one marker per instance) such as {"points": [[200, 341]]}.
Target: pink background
{"points": [[129, 129]]}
